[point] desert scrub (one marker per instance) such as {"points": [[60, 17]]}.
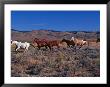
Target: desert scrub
{"points": [[34, 69], [56, 63], [61, 56], [17, 69]]}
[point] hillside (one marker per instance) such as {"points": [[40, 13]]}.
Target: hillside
{"points": [[50, 34], [58, 62]]}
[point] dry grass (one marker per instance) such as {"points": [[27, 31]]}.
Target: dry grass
{"points": [[68, 62]]}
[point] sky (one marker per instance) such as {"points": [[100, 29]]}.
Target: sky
{"points": [[56, 20]]}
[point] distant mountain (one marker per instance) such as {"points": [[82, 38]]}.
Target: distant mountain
{"points": [[18, 30], [51, 34], [56, 31]]}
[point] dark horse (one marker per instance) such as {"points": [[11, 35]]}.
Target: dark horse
{"points": [[69, 42]]}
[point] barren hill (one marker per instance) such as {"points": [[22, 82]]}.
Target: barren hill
{"points": [[51, 34]]}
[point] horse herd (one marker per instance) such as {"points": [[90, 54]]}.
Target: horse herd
{"points": [[73, 42]]}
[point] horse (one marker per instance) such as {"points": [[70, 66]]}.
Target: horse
{"points": [[79, 42], [51, 43], [40, 43], [46, 43], [84, 42], [20, 45], [69, 42], [63, 45]]}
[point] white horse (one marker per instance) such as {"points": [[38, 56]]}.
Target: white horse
{"points": [[78, 41], [20, 45], [73, 38]]}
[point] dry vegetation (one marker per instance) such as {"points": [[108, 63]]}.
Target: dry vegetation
{"points": [[67, 62], [84, 62]]}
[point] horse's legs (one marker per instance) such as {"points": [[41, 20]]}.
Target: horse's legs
{"points": [[50, 47], [46, 47], [75, 46], [39, 47], [80, 46], [68, 45], [17, 48], [72, 46], [26, 49]]}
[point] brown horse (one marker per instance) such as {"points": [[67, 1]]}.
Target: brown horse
{"points": [[45, 43], [51, 43], [63, 45], [69, 42], [40, 43]]}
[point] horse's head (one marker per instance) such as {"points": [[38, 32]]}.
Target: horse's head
{"points": [[73, 38], [36, 39], [14, 42]]}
